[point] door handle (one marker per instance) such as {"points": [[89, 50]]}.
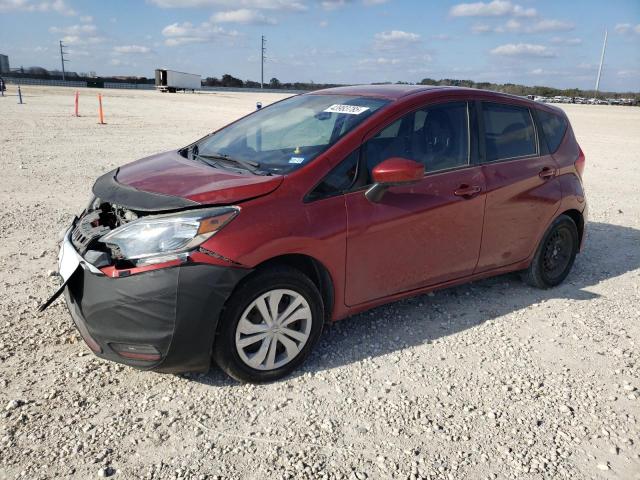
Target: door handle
{"points": [[547, 172], [467, 191]]}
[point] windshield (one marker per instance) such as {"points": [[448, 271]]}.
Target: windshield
{"points": [[288, 134]]}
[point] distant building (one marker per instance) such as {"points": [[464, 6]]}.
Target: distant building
{"points": [[4, 64]]}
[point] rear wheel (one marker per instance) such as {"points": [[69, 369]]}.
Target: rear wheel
{"points": [[269, 326], [555, 254]]}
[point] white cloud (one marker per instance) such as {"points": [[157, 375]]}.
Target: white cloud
{"points": [[379, 61], [244, 16], [283, 5], [58, 6], [131, 49], [517, 26], [185, 33], [86, 19], [79, 34], [566, 41], [481, 28], [323, 24], [411, 63], [628, 73], [397, 36], [88, 29], [335, 4], [522, 50], [549, 26], [441, 36], [587, 66], [78, 53], [624, 28], [496, 8], [394, 39]]}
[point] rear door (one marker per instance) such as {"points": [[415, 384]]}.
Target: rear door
{"points": [[424, 233], [523, 193]]}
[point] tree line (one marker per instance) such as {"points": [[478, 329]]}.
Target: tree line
{"points": [[228, 80], [514, 89], [522, 90]]}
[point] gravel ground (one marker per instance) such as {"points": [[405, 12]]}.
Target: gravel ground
{"points": [[488, 380]]}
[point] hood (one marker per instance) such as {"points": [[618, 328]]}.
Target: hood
{"points": [[168, 181]]}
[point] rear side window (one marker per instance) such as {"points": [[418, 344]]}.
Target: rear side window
{"points": [[508, 132], [554, 127]]}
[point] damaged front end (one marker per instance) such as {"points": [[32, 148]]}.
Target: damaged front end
{"points": [[117, 236], [138, 287]]}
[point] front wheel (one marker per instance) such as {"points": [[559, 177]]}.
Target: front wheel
{"points": [[555, 255], [269, 326]]}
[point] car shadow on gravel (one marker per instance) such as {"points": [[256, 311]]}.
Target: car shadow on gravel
{"points": [[610, 251]]}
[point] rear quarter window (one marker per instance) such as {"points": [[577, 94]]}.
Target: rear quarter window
{"points": [[554, 127], [508, 131]]}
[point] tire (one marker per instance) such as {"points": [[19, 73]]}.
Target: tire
{"points": [[555, 255], [251, 361]]}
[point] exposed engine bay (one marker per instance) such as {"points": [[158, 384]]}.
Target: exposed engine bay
{"points": [[98, 220]]}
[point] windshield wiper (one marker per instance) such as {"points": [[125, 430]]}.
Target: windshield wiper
{"points": [[253, 167]]}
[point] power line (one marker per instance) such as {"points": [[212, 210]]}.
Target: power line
{"points": [[62, 59], [263, 50]]}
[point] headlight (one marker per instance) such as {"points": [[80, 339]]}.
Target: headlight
{"points": [[163, 237]]}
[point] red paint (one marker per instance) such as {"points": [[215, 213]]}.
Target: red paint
{"points": [[445, 229], [580, 163], [518, 203], [398, 170], [418, 235], [172, 174]]}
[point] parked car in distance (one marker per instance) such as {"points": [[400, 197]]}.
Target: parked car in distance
{"points": [[241, 246]]}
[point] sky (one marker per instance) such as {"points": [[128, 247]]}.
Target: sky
{"points": [[532, 42]]}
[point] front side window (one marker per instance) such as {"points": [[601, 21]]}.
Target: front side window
{"points": [[437, 137], [284, 136], [508, 132]]}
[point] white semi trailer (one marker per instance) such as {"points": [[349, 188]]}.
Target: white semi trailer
{"points": [[172, 81]]}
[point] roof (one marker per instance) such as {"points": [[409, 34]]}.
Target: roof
{"points": [[395, 92], [390, 92]]}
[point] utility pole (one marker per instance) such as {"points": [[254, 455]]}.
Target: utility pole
{"points": [[604, 47], [263, 50], [62, 59]]}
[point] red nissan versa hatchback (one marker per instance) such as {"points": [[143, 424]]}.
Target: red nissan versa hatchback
{"points": [[242, 245]]}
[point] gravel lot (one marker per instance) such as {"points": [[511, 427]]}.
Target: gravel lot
{"points": [[489, 380]]}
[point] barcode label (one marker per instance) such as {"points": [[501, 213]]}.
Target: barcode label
{"points": [[348, 109]]}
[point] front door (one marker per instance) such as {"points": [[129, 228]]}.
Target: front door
{"points": [[420, 234]]}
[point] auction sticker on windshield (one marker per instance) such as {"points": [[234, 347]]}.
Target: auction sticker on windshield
{"points": [[348, 109]]}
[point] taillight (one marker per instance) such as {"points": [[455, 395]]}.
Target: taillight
{"points": [[580, 162]]}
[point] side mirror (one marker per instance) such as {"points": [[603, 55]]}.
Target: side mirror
{"points": [[393, 171]]}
